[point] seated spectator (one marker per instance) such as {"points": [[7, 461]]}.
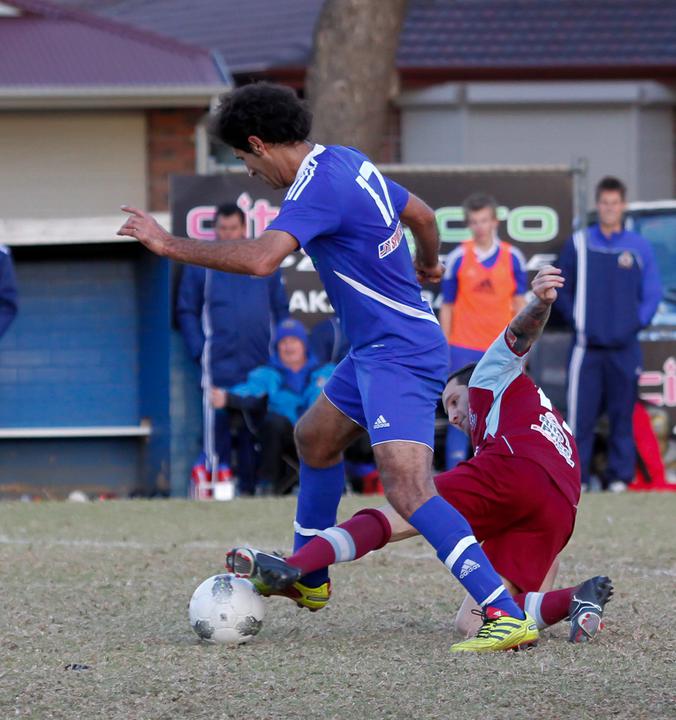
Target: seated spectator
{"points": [[285, 388]]}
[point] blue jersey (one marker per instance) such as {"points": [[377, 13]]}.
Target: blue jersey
{"points": [[345, 215]]}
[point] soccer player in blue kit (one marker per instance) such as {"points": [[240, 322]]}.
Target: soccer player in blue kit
{"points": [[348, 219]]}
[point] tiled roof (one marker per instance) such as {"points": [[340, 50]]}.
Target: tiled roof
{"points": [[539, 33], [46, 44], [254, 35]]}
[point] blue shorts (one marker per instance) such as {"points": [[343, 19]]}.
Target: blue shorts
{"points": [[391, 398]]}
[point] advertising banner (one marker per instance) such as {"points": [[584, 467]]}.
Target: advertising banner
{"points": [[535, 212]]}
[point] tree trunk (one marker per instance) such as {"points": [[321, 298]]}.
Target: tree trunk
{"points": [[352, 76]]}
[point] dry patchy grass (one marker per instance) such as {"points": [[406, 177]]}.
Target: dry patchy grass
{"points": [[107, 585]]}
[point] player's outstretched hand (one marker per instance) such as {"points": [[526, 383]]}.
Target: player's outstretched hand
{"points": [[143, 226], [545, 283], [427, 274]]}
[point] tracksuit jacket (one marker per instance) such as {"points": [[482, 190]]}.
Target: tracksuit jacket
{"points": [[612, 290], [612, 287], [8, 291], [236, 312]]}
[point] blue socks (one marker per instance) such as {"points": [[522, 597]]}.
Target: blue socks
{"points": [[316, 509], [451, 536]]}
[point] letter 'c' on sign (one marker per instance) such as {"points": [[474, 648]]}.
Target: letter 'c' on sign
{"points": [[196, 222], [533, 223]]}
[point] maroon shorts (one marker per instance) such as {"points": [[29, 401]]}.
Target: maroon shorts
{"points": [[516, 511]]}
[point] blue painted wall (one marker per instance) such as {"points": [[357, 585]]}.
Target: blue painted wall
{"points": [[186, 415], [72, 355], [154, 353], [90, 347]]}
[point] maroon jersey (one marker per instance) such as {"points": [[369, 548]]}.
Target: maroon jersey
{"points": [[510, 415]]}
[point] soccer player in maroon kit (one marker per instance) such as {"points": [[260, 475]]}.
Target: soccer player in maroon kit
{"points": [[519, 492]]}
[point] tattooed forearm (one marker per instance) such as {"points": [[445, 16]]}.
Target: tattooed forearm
{"points": [[527, 326]]}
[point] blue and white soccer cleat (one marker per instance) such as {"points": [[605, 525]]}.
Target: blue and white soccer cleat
{"points": [[586, 608]]}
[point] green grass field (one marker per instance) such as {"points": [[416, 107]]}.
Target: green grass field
{"points": [[107, 585]]}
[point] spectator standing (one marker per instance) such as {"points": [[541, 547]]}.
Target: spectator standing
{"points": [[8, 291], [483, 288], [225, 320], [285, 388], [612, 291]]}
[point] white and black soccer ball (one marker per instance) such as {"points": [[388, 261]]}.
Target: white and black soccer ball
{"points": [[226, 609]]}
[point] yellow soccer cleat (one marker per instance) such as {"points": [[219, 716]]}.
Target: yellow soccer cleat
{"points": [[500, 632], [305, 597], [272, 575]]}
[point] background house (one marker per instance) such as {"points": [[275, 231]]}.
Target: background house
{"points": [[482, 81], [93, 113], [102, 100]]}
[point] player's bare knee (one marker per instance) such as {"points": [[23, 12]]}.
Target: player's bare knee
{"points": [[308, 442], [315, 446], [404, 496], [406, 475]]}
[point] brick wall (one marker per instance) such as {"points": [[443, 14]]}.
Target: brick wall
{"points": [[170, 149]]}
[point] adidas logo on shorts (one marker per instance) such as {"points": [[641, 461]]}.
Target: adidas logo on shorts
{"points": [[380, 423], [467, 567]]}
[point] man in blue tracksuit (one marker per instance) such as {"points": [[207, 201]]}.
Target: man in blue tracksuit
{"points": [[8, 307], [225, 320], [612, 291]]}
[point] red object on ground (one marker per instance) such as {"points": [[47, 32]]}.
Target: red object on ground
{"points": [[650, 473], [371, 484]]}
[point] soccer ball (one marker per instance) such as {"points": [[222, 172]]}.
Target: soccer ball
{"points": [[226, 609]]}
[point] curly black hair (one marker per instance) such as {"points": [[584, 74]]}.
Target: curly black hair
{"points": [[273, 113]]}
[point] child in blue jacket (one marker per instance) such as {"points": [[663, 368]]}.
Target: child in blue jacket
{"points": [[284, 388]]}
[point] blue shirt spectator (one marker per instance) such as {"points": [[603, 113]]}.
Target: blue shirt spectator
{"points": [[225, 320], [483, 288], [8, 291], [449, 284], [612, 290], [612, 286]]}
